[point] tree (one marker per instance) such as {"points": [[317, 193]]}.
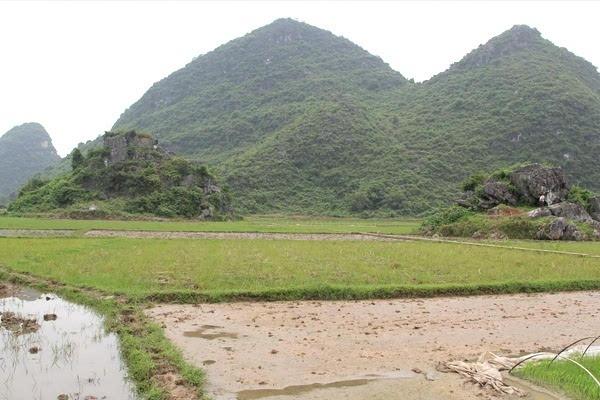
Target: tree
{"points": [[76, 159]]}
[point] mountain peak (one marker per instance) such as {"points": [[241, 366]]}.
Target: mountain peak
{"points": [[516, 39], [25, 150], [27, 129]]}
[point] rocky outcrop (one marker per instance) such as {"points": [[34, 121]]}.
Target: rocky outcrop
{"points": [[560, 229], [495, 193], [571, 211], [130, 145], [595, 208], [535, 180]]}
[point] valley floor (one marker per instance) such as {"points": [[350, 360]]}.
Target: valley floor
{"points": [[359, 322]]}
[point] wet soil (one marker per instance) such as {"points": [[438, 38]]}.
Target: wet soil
{"points": [[237, 235], [36, 232], [369, 349], [68, 354]]}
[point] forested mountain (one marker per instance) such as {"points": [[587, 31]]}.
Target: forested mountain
{"points": [[298, 119], [25, 150]]}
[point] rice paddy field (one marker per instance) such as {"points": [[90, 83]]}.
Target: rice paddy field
{"points": [[566, 376], [275, 224], [258, 268]]}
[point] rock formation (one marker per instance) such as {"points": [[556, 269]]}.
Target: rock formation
{"points": [[535, 180]]}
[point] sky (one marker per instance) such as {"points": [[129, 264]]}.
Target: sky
{"points": [[75, 67]]}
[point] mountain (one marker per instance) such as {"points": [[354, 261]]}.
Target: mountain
{"points": [[129, 174], [297, 119], [25, 150]]}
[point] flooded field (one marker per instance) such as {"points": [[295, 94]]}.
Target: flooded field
{"points": [[376, 350], [53, 349]]}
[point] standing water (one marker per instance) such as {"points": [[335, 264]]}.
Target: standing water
{"points": [[52, 349]]}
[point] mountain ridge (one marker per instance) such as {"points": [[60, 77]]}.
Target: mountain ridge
{"points": [[297, 119]]}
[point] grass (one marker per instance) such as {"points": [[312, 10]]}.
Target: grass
{"points": [[592, 248], [565, 376], [249, 224], [214, 270]]}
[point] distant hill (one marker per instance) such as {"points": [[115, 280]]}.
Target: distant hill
{"points": [[129, 175], [25, 150], [297, 119]]}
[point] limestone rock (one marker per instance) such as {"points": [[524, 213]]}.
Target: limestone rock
{"points": [[495, 193], [570, 211], [560, 229], [539, 212], [535, 180], [127, 146], [595, 208]]}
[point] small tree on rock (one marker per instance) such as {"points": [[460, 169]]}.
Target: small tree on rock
{"points": [[76, 159]]}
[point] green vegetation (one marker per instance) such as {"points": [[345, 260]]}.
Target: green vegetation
{"points": [[279, 224], [565, 376], [581, 196], [129, 175], [25, 150], [296, 119], [454, 223], [192, 270]]}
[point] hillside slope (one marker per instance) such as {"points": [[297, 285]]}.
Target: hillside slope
{"points": [[25, 150], [297, 119], [129, 175]]}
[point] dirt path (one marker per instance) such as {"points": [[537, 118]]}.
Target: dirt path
{"points": [[36, 232], [237, 235], [368, 349]]}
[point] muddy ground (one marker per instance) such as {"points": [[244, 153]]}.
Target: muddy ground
{"points": [[368, 349], [236, 235]]}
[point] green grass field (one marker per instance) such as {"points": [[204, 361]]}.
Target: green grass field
{"points": [[565, 376], [249, 224], [192, 270], [183, 269]]}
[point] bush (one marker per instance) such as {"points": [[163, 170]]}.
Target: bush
{"points": [[473, 182], [445, 216], [581, 196]]}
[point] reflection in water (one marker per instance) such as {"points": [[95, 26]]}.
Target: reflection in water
{"points": [[71, 355]]}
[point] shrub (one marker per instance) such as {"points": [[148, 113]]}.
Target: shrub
{"points": [[581, 196], [473, 182], [445, 216]]}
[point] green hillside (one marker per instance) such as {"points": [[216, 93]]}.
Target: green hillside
{"points": [[25, 150], [297, 119]]}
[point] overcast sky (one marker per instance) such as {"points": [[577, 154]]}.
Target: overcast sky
{"points": [[76, 66]]}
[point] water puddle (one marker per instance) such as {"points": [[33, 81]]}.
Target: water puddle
{"points": [[69, 353], [297, 390], [202, 334]]}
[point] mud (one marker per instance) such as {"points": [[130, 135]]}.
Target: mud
{"points": [[36, 232], [370, 349], [69, 354], [238, 235]]}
